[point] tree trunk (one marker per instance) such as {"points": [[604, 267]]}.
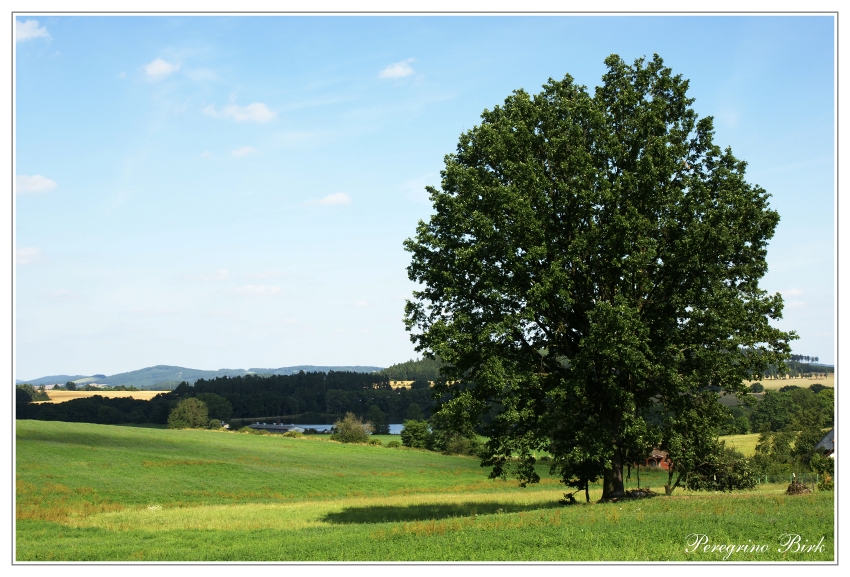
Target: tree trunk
{"points": [[613, 481]]}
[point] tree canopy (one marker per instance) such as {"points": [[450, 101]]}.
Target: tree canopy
{"points": [[590, 275]]}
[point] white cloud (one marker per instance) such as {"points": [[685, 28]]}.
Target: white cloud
{"points": [[397, 70], [159, 68], [35, 184], [336, 198], [28, 255], [122, 75], [793, 292], [244, 151], [258, 290], [362, 304], [256, 112], [29, 29], [206, 154]]}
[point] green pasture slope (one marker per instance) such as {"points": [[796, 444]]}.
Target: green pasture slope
{"points": [[96, 492]]}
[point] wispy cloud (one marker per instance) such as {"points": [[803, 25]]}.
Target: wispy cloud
{"points": [[398, 70], [220, 274], [362, 304], [336, 198], [29, 29], [256, 112], [257, 290], [159, 68], [33, 184], [200, 74], [28, 255], [794, 292], [244, 151]]}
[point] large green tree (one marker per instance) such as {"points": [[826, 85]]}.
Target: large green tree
{"points": [[590, 274]]}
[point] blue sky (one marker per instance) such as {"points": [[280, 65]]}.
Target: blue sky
{"points": [[233, 192]]}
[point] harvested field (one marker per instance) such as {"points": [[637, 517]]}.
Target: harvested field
{"points": [[62, 396], [805, 383]]}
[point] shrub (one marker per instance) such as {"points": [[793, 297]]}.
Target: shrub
{"points": [[214, 424], [376, 442], [351, 430], [826, 484], [416, 434], [757, 388], [393, 444], [189, 413], [293, 434]]}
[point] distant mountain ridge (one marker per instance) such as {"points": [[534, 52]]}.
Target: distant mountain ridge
{"points": [[170, 375]]}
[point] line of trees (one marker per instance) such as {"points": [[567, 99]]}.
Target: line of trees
{"points": [[299, 398]]}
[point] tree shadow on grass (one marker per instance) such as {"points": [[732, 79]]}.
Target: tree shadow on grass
{"points": [[435, 511]]}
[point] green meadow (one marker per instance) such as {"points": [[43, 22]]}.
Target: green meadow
{"points": [[88, 492]]}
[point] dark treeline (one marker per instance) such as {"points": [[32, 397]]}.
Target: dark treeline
{"points": [[97, 409], [798, 369], [305, 396], [423, 369], [300, 398]]}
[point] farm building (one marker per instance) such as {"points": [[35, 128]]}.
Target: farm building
{"points": [[277, 427], [827, 444], [659, 459]]}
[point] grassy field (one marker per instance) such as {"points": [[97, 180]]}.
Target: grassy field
{"points": [[805, 383], [62, 396], [97, 492], [744, 443]]}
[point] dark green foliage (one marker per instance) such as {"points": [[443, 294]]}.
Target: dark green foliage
{"points": [[416, 434], [796, 406], [393, 445], [725, 470], [38, 394], [738, 422], [756, 388], [351, 429], [817, 387], [423, 369], [70, 386], [589, 256], [189, 413], [787, 388], [378, 419], [414, 412], [217, 406]]}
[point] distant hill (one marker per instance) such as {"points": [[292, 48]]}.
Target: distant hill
{"points": [[51, 380], [168, 376]]}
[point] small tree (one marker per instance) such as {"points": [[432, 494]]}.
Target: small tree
{"points": [[351, 430], [188, 414], [71, 386], [416, 434], [378, 419]]}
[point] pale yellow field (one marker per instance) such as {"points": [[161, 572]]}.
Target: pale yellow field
{"points": [[62, 396], [774, 384], [744, 443]]}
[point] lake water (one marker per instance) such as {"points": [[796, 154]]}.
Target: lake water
{"points": [[394, 429]]}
